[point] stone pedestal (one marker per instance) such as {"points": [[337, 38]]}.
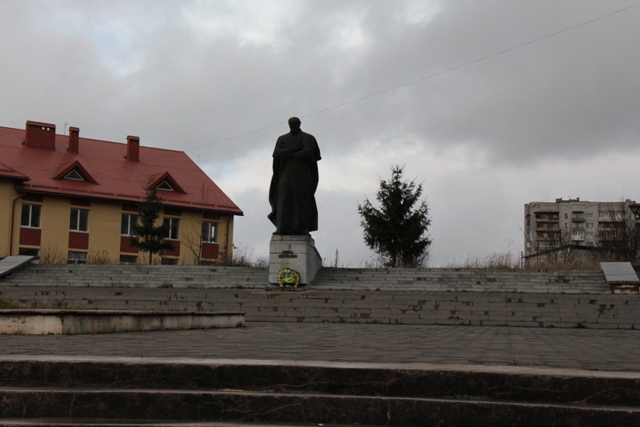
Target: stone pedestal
{"points": [[298, 253]]}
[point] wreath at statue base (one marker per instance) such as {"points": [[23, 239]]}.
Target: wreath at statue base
{"points": [[288, 278]]}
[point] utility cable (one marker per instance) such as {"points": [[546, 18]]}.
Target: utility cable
{"points": [[430, 76]]}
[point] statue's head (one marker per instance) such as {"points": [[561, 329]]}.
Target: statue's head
{"points": [[294, 124]]}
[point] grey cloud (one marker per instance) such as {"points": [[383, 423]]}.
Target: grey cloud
{"points": [[117, 68]]}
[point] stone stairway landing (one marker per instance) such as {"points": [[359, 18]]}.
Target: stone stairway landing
{"points": [[153, 276], [465, 280], [426, 279]]}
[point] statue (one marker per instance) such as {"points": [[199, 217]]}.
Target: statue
{"points": [[294, 182]]}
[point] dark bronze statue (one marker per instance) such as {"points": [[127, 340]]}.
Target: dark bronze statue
{"points": [[294, 182]]}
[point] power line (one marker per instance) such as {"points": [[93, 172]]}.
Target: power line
{"points": [[237, 136], [430, 76]]}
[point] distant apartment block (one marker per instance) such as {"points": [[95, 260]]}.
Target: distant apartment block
{"points": [[575, 222]]}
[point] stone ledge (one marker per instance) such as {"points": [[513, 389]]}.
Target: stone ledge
{"points": [[315, 305], [314, 392], [71, 322]]}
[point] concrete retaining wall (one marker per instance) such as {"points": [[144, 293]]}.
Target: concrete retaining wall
{"points": [[72, 322], [364, 306]]}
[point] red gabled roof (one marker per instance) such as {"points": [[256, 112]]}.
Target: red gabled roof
{"points": [[116, 178], [7, 172]]}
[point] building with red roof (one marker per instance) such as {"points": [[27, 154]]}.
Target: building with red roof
{"points": [[73, 199]]}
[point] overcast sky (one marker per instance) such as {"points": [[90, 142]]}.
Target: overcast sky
{"points": [[489, 104]]}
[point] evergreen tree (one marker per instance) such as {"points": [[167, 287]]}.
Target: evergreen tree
{"points": [[151, 238], [397, 231]]}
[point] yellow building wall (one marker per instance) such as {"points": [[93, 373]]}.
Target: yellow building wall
{"points": [[104, 232], [54, 222], [190, 237], [103, 229], [9, 213], [225, 236], [17, 215]]}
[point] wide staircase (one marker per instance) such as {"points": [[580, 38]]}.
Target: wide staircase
{"points": [[137, 276], [153, 392], [425, 279], [466, 280], [430, 296], [75, 391]]}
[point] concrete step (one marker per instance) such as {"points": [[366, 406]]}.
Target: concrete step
{"points": [[137, 423], [388, 306], [312, 393], [119, 422], [138, 276], [74, 322], [313, 408], [436, 279], [480, 280]]}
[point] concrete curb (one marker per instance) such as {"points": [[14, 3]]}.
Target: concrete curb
{"points": [[72, 322]]}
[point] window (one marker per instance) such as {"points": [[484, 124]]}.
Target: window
{"points": [[128, 259], [79, 220], [164, 185], [30, 216], [210, 232], [77, 258], [74, 175], [589, 216], [173, 225], [610, 216], [577, 235], [589, 225], [28, 251], [126, 226], [607, 235]]}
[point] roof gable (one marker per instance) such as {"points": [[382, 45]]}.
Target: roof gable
{"points": [[165, 182], [66, 171]]}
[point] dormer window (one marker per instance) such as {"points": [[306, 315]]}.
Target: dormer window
{"points": [[74, 175], [74, 172], [165, 182], [164, 185]]}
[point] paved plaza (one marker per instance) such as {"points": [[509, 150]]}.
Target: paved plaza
{"points": [[589, 349]]}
